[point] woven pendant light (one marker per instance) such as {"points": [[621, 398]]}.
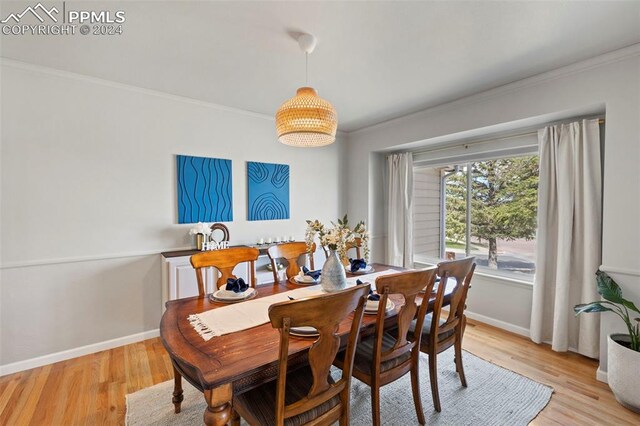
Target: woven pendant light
{"points": [[306, 120]]}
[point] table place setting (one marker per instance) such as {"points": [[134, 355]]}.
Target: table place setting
{"points": [[373, 301], [253, 311], [304, 331], [359, 267], [306, 277], [234, 291]]}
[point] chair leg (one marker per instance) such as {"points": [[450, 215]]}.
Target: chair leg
{"points": [[433, 376], [177, 390], [344, 420], [346, 408], [415, 388], [459, 367], [375, 404], [235, 418]]}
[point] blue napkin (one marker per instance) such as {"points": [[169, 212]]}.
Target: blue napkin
{"points": [[237, 285], [372, 295], [313, 274], [357, 264]]}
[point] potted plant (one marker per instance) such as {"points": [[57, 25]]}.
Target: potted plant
{"points": [[623, 352]]}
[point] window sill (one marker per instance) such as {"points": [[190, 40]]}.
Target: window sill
{"points": [[504, 279]]}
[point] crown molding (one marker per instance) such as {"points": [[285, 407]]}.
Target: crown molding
{"points": [[123, 86], [575, 68], [567, 70]]}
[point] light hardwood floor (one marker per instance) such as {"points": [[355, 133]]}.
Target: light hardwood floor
{"points": [[91, 390]]}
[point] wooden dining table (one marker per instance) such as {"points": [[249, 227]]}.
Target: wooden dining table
{"points": [[234, 363]]}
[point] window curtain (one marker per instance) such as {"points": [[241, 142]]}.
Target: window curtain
{"points": [[568, 246], [400, 210]]}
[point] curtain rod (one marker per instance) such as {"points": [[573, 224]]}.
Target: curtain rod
{"points": [[517, 135], [479, 142]]}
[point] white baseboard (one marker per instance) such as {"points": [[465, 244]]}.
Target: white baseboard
{"points": [[76, 352], [601, 375], [498, 323]]}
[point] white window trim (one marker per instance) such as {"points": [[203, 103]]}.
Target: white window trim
{"points": [[482, 271], [524, 144], [517, 146]]}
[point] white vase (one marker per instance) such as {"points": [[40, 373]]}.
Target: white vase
{"points": [[334, 277], [623, 365]]}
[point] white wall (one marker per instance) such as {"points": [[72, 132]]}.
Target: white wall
{"points": [[89, 199], [88, 193], [610, 82]]}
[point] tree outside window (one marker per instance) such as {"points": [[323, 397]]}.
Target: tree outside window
{"points": [[504, 195]]}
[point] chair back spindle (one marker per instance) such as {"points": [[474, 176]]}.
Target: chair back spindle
{"points": [[325, 313], [291, 252], [409, 285], [462, 271], [225, 261]]}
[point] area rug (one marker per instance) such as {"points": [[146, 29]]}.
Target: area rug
{"points": [[495, 396]]}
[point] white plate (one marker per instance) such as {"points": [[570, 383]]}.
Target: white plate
{"points": [[369, 269], [304, 331], [306, 279], [223, 294], [371, 307]]}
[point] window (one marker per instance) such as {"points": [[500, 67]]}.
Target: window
{"points": [[486, 209]]}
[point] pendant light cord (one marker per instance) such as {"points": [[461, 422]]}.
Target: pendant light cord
{"points": [[306, 68]]}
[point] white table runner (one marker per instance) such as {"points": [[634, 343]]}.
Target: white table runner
{"points": [[252, 313]]}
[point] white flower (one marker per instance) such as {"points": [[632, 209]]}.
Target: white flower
{"points": [[200, 228], [338, 236]]}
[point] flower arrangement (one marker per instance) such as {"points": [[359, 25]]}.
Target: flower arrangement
{"points": [[200, 228], [339, 236]]}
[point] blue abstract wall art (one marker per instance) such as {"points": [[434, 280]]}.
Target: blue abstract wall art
{"points": [[268, 191], [204, 190]]}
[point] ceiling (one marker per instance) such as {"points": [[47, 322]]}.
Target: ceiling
{"points": [[374, 60]]}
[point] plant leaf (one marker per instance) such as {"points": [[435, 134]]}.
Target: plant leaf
{"points": [[608, 288], [590, 307], [629, 304]]}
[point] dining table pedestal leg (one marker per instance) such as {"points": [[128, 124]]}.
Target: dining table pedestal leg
{"points": [[218, 412]]}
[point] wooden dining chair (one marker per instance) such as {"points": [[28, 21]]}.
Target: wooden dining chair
{"points": [[225, 261], [439, 334], [388, 355], [291, 252], [309, 395], [355, 244]]}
